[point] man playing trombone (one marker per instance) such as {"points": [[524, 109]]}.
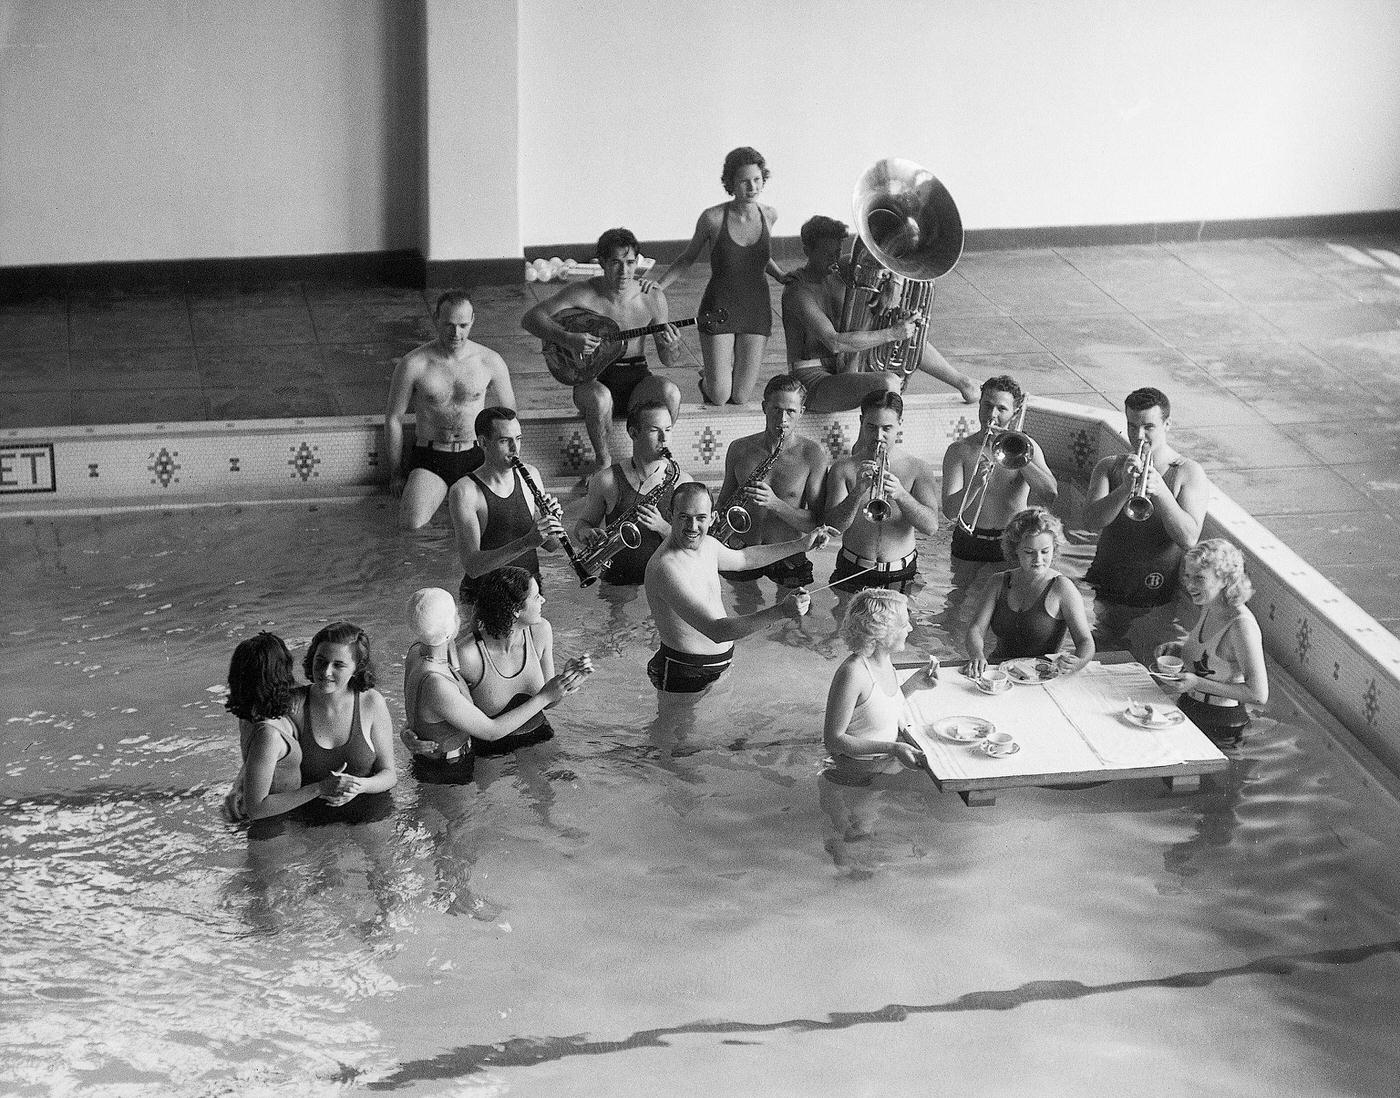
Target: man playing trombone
{"points": [[994, 473], [879, 497], [1149, 506]]}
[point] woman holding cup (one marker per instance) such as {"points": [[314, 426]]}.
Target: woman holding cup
{"points": [[1031, 607], [1220, 666]]}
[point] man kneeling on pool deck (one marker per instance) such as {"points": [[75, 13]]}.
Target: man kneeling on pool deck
{"points": [[683, 591]]}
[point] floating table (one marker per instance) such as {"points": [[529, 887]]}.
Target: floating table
{"points": [[1070, 729]]}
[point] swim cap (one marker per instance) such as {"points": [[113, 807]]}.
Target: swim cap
{"points": [[432, 615]]}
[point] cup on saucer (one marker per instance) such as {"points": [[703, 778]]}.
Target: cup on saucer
{"points": [[999, 743], [993, 681], [1169, 667]]}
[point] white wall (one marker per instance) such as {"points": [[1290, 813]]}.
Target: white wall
{"points": [[173, 129], [1064, 112]]}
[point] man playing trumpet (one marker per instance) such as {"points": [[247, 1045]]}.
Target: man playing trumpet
{"points": [[982, 493], [776, 479], [880, 497]]}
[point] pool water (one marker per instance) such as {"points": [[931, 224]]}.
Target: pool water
{"points": [[656, 903]]}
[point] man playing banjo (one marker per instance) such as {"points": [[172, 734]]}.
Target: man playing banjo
{"points": [[617, 295]]}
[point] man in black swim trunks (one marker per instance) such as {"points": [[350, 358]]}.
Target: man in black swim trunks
{"points": [[683, 591], [445, 383], [616, 294], [494, 513]]}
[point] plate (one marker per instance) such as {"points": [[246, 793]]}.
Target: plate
{"points": [[1030, 672], [987, 750], [961, 729], [1173, 717]]}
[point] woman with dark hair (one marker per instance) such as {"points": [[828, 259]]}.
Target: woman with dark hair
{"points": [[347, 734], [737, 234]]}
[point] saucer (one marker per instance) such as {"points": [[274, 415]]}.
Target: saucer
{"points": [[1032, 671], [991, 691], [1171, 718], [1163, 676], [961, 729], [986, 749]]}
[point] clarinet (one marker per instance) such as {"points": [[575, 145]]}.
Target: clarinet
{"points": [[585, 578]]}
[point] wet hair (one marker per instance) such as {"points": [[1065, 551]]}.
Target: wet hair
{"points": [[613, 239], [872, 618], [1026, 524], [1003, 383], [343, 632], [634, 413], [1227, 562], [785, 383], [882, 398], [738, 158], [260, 679], [818, 228], [1141, 400], [688, 489], [500, 599], [449, 299], [488, 416]]}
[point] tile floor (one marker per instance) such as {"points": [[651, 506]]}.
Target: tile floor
{"points": [[1282, 357]]}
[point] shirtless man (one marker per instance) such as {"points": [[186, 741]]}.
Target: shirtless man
{"points": [[494, 514], [683, 592], [823, 358], [1136, 565], [617, 294], [1008, 491], [446, 382], [787, 499], [880, 554], [614, 492]]}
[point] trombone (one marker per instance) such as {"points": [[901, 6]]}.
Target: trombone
{"points": [[1006, 446], [877, 507], [1139, 507]]}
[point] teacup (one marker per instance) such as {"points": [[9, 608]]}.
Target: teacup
{"points": [[999, 743], [1170, 666], [993, 681]]}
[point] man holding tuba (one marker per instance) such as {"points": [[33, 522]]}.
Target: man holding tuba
{"points": [[775, 478], [880, 497], [994, 473], [823, 356]]}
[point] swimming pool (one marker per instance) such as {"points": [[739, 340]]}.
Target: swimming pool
{"points": [[657, 906]]}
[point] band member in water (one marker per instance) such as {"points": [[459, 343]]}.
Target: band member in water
{"points": [[616, 294], [1007, 492], [785, 501], [615, 492], [683, 591], [880, 553], [494, 513], [1136, 563], [444, 383], [1223, 654], [1031, 607], [822, 356]]}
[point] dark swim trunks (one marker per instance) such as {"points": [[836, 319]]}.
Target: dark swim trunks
{"points": [[450, 465], [622, 379], [1225, 724], [894, 575], [456, 771], [678, 672], [537, 730], [982, 544], [793, 571]]}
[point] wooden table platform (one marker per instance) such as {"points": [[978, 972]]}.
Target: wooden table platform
{"points": [[1070, 730]]}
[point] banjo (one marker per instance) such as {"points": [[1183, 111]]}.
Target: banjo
{"points": [[573, 368]]}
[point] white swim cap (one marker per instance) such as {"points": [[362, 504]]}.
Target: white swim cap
{"points": [[432, 615]]}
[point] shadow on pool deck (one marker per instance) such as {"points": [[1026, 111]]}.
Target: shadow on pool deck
{"points": [[1281, 356]]}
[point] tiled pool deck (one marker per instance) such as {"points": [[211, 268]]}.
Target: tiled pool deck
{"points": [[1281, 356]]}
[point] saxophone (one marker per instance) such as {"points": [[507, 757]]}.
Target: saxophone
{"points": [[733, 519], [623, 532]]}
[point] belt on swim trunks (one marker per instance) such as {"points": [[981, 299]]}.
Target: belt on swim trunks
{"points": [[631, 360], [447, 447], [880, 565]]}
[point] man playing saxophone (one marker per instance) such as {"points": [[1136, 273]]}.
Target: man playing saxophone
{"points": [[878, 479], [776, 478], [621, 487], [981, 494]]}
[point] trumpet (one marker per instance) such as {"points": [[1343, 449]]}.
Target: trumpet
{"points": [[623, 532], [877, 507], [733, 519], [585, 578], [1139, 507], [1008, 447]]}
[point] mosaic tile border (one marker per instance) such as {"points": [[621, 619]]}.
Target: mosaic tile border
{"points": [[1335, 649]]}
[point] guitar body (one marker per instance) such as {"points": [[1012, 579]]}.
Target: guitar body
{"points": [[567, 365]]}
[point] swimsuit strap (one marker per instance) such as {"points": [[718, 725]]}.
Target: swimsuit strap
{"points": [[488, 661]]}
